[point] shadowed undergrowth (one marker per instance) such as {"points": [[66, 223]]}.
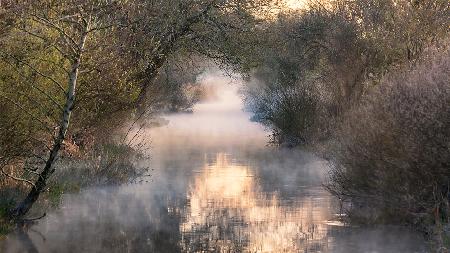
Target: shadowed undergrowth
{"points": [[107, 164]]}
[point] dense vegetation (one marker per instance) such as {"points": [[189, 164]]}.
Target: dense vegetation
{"points": [[366, 85], [363, 83], [74, 74]]}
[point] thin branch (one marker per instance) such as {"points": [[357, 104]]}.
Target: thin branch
{"points": [[34, 219], [136, 135], [39, 105], [48, 96], [47, 40], [30, 114], [55, 64], [32, 34], [67, 56], [40, 141], [32, 171], [39, 89], [100, 28], [18, 178], [69, 19], [38, 157], [47, 22], [134, 122], [37, 71]]}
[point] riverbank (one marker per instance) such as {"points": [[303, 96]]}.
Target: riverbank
{"points": [[373, 102], [388, 153], [105, 165], [216, 186]]}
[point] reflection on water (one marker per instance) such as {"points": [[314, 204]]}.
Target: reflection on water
{"points": [[216, 187], [228, 211]]}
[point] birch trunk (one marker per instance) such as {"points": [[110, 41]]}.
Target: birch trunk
{"points": [[40, 184]]}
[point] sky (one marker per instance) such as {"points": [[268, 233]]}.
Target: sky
{"points": [[295, 4]]}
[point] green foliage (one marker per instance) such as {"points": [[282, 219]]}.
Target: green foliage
{"points": [[55, 193], [138, 36], [107, 63]]}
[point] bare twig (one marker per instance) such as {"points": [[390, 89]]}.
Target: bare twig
{"points": [[18, 178], [37, 71], [30, 114]]}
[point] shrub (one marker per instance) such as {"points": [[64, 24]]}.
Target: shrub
{"points": [[392, 153]]}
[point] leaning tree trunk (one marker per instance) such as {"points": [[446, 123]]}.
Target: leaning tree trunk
{"points": [[161, 55], [22, 209]]}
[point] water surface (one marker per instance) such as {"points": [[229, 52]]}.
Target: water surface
{"points": [[216, 187]]}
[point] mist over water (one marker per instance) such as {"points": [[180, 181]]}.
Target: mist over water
{"points": [[216, 124], [216, 187]]}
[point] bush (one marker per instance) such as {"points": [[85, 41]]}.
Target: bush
{"points": [[317, 64], [105, 165], [392, 153]]}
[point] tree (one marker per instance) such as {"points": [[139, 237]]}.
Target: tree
{"points": [[203, 27], [62, 29], [109, 53]]}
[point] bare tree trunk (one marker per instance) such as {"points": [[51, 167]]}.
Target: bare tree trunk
{"points": [[149, 76], [23, 208]]}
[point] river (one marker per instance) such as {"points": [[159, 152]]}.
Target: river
{"points": [[216, 186]]}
